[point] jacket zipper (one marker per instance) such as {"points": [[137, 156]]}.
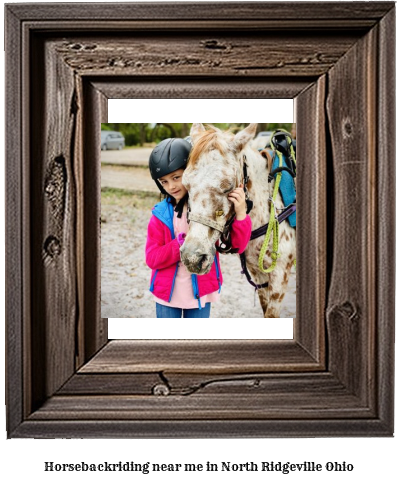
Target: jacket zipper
{"points": [[196, 290], [160, 217], [173, 283]]}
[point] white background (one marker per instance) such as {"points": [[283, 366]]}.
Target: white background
{"points": [[375, 460]]}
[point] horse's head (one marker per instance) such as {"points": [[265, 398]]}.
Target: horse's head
{"points": [[214, 170]]}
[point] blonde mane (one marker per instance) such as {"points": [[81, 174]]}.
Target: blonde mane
{"points": [[206, 142]]}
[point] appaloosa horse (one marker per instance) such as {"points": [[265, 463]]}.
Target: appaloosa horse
{"points": [[215, 167]]}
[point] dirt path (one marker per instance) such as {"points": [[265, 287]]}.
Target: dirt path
{"points": [[129, 157], [127, 177]]}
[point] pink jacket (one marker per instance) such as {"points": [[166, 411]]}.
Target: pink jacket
{"points": [[163, 254]]}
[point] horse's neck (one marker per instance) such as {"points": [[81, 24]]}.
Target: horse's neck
{"points": [[258, 188]]}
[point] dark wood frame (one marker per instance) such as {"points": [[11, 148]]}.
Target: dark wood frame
{"points": [[64, 378]]}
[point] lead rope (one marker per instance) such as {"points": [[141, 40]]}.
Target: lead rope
{"points": [[273, 223], [273, 228]]}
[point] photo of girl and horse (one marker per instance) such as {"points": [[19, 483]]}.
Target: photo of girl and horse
{"points": [[198, 220]]}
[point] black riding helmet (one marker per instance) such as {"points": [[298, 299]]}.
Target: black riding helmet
{"points": [[168, 156]]}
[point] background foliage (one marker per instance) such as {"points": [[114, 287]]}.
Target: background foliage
{"points": [[140, 134]]}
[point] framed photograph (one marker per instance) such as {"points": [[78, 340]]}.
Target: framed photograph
{"points": [[128, 199], [65, 378]]}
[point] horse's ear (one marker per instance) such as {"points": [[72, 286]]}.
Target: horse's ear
{"points": [[196, 130], [244, 136]]}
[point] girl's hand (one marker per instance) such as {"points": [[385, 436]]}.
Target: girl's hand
{"points": [[237, 197], [181, 238]]}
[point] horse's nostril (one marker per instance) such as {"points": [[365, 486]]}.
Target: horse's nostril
{"points": [[202, 259]]}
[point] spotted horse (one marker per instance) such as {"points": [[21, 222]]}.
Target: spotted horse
{"points": [[219, 162]]}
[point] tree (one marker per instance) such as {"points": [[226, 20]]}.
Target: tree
{"points": [[142, 133], [262, 127], [157, 133], [184, 130]]}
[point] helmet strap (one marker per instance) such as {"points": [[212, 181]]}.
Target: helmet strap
{"points": [[180, 206]]}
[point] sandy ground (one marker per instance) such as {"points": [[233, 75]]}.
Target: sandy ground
{"points": [[137, 156], [129, 178], [124, 274]]}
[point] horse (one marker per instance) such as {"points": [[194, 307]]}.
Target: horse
{"points": [[215, 167]]}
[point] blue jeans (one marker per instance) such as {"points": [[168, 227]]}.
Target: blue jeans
{"points": [[169, 312]]}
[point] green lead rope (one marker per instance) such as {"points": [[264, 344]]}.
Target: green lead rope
{"points": [[273, 227]]}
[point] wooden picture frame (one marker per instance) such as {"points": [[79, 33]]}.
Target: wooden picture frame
{"points": [[335, 378]]}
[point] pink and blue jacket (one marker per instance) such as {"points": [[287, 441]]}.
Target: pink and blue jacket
{"points": [[163, 254]]}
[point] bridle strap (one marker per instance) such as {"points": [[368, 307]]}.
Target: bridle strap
{"points": [[244, 270], [206, 221], [224, 228], [245, 180]]}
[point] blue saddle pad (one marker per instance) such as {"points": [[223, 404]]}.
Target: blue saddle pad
{"points": [[287, 188]]}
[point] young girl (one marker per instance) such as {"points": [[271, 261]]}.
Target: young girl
{"points": [[171, 283]]}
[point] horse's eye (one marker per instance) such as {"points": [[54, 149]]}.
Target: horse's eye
{"points": [[228, 190]]}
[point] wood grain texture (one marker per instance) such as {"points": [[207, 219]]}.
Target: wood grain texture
{"points": [[237, 55], [359, 14], [104, 106], [311, 100], [199, 389], [77, 146], [200, 356], [351, 109], [272, 428], [277, 396], [113, 384], [302, 24], [208, 407], [385, 222], [312, 218], [96, 329], [154, 87], [53, 211], [15, 207], [185, 384]]}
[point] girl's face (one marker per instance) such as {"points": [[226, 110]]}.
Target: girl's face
{"points": [[172, 184]]}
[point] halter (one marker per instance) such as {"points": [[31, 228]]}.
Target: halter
{"points": [[225, 246], [218, 224], [194, 217]]}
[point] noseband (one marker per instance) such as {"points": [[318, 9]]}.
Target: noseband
{"points": [[194, 217]]}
